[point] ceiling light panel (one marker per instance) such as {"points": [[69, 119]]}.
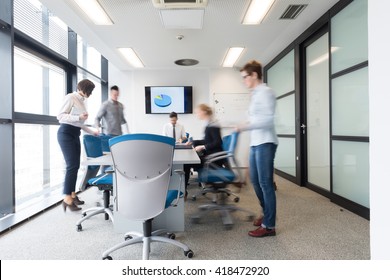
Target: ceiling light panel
{"points": [[130, 55], [232, 56], [94, 11], [257, 10]]}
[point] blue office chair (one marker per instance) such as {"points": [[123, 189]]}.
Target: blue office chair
{"points": [[93, 148], [214, 172], [104, 139], [142, 165], [215, 180]]}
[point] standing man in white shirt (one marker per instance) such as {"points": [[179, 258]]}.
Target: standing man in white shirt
{"points": [[174, 129], [111, 115]]}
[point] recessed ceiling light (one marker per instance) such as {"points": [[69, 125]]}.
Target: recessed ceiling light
{"points": [[257, 10], [131, 57], [232, 56], [186, 62], [94, 11]]}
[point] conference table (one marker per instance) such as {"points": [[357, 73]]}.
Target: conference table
{"points": [[172, 218]]}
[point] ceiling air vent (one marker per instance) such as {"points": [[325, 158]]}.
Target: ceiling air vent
{"points": [[292, 11], [179, 4]]}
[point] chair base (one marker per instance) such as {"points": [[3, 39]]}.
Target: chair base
{"points": [[93, 212], [90, 212], [222, 208], [146, 238], [214, 190]]}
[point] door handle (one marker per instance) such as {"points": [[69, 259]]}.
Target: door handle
{"points": [[303, 126]]}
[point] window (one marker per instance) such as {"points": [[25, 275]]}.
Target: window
{"points": [[88, 57], [39, 165], [36, 21], [39, 85]]}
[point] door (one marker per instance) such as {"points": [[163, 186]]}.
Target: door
{"points": [[315, 128]]}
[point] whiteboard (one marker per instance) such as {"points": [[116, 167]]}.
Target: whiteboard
{"points": [[231, 108]]}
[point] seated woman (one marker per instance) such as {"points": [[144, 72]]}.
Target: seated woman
{"points": [[211, 143]]}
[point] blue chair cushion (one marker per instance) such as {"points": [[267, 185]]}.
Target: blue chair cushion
{"points": [[100, 180], [171, 196], [215, 175]]}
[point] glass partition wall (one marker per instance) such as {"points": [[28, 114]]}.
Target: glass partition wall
{"points": [[284, 70], [321, 83], [350, 99]]}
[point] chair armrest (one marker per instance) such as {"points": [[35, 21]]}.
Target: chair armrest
{"points": [[217, 154], [208, 161]]}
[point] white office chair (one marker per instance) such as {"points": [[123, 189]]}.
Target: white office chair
{"points": [[143, 164]]}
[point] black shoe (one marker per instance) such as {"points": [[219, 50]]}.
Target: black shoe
{"points": [[77, 201], [72, 207]]}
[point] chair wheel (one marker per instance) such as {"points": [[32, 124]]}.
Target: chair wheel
{"points": [[195, 220], [79, 228], [108, 258], [189, 254], [171, 235], [250, 218], [128, 237], [237, 199], [194, 198], [228, 227]]}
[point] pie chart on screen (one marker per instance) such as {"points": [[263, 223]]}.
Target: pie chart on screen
{"points": [[162, 100]]}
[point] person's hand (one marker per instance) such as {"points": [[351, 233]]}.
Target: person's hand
{"points": [[96, 133], [188, 143], [238, 128], [83, 116], [200, 148], [180, 140]]}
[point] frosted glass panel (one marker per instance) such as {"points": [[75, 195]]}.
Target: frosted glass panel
{"points": [[280, 77], [285, 156], [351, 171], [350, 104], [317, 106], [285, 115], [349, 36]]}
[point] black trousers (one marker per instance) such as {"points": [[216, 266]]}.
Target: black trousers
{"points": [[68, 137]]}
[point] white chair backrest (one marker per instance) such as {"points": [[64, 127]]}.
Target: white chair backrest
{"points": [[142, 164]]}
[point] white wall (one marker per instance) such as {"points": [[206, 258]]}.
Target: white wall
{"points": [[379, 58]]}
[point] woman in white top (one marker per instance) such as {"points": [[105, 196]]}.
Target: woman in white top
{"points": [[263, 146], [71, 117]]}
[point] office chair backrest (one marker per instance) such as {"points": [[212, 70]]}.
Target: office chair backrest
{"points": [[104, 139], [229, 142], [142, 164], [92, 145]]}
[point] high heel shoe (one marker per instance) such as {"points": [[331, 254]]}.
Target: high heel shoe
{"points": [[72, 207], [77, 201]]}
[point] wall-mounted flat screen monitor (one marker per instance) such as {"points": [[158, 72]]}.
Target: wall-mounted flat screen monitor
{"points": [[167, 99]]}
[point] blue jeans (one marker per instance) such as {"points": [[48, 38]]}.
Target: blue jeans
{"points": [[68, 137], [261, 170]]}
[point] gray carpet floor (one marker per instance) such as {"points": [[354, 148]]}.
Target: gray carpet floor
{"points": [[309, 227]]}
